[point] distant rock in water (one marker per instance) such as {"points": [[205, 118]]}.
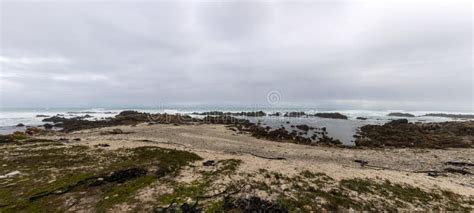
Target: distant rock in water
{"points": [[400, 114], [20, 125], [250, 114], [333, 115], [458, 116], [219, 113], [277, 114], [294, 114], [361, 118], [401, 133], [55, 119], [42, 116]]}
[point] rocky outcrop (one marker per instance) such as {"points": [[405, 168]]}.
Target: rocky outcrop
{"points": [[456, 116], [294, 114], [236, 124], [333, 115], [280, 134], [303, 127], [123, 118], [400, 114], [219, 113], [401, 133]]}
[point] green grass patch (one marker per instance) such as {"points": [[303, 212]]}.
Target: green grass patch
{"points": [[52, 174]]}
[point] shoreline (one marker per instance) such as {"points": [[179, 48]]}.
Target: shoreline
{"points": [[341, 127]]}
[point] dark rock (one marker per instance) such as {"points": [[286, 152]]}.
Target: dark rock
{"points": [[124, 175], [457, 171], [294, 114], [42, 116], [55, 119], [48, 126], [333, 115], [400, 114], [397, 122], [208, 163], [457, 116], [328, 141], [400, 133], [116, 131], [185, 207], [303, 127], [361, 162], [434, 174], [102, 145], [252, 204], [20, 125], [458, 163], [250, 114], [361, 118], [34, 131]]}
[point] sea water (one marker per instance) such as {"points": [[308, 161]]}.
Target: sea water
{"points": [[336, 128]]}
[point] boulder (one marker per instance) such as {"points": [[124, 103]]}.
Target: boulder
{"points": [[397, 122], [400, 114], [333, 115], [48, 126]]}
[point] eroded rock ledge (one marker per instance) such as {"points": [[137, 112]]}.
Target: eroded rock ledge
{"points": [[401, 133]]}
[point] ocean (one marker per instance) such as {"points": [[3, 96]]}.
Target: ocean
{"points": [[337, 128]]}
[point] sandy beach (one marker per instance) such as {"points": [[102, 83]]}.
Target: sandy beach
{"points": [[216, 142], [165, 168]]}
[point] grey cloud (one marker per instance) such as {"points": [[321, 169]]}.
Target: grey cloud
{"points": [[409, 55]]}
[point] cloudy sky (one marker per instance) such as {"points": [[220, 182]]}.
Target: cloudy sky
{"points": [[362, 54]]}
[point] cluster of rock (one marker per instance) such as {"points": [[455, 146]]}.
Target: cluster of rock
{"points": [[123, 118], [333, 115], [401, 133], [280, 134], [219, 113], [401, 114], [302, 134], [456, 116]]}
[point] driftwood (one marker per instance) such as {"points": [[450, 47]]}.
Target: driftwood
{"points": [[432, 173], [458, 171], [264, 157], [458, 163], [169, 143]]}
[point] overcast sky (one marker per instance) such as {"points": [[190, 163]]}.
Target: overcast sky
{"points": [[364, 54]]}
